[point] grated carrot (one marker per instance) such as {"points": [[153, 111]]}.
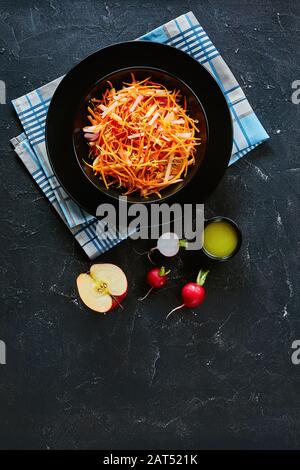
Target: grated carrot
{"points": [[141, 139]]}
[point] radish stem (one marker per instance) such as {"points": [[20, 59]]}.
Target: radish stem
{"points": [[183, 243], [201, 277], [149, 253], [146, 253], [139, 253]]}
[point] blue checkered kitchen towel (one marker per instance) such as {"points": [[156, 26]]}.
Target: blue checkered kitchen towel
{"points": [[185, 33]]}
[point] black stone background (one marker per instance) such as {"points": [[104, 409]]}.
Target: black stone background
{"points": [[220, 379]]}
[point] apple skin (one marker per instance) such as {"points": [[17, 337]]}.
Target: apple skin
{"points": [[117, 300]]}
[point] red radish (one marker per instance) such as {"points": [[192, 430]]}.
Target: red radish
{"points": [[168, 245], [156, 278], [192, 293]]}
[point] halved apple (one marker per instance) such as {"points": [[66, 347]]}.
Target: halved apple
{"points": [[103, 288]]}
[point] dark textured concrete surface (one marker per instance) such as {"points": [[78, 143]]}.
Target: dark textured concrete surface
{"points": [[221, 378]]}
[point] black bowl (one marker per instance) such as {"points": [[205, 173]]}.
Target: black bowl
{"points": [[71, 94], [194, 109]]}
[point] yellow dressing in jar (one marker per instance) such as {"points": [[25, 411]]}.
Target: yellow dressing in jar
{"points": [[220, 239]]}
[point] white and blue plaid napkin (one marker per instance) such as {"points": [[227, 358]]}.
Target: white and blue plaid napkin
{"points": [[184, 33]]}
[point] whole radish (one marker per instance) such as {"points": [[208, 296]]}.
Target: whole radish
{"points": [[168, 244], [156, 278], [192, 293]]}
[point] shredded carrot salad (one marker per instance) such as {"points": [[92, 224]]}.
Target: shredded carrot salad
{"points": [[141, 139]]}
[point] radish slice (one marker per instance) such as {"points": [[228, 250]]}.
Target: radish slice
{"points": [[138, 134], [120, 98], [185, 135], [169, 168], [90, 129], [116, 117], [151, 111], [91, 137], [111, 108], [136, 103], [169, 116], [156, 115]]}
